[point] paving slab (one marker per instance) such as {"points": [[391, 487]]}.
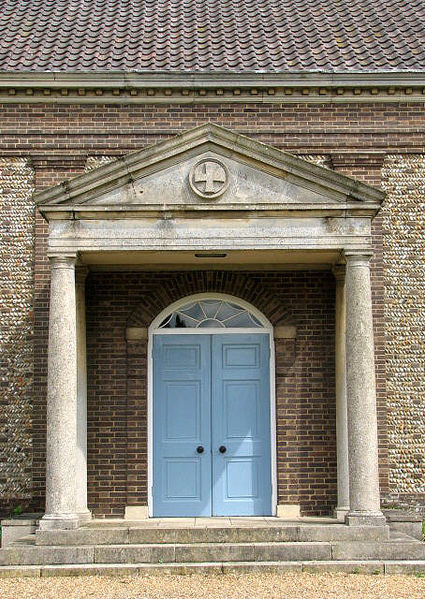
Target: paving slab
{"points": [[83, 536], [215, 552], [292, 551], [132, 554], [405, 567], [410, 550], [348, 567], [19, 556]]}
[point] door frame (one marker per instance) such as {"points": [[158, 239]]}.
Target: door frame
{"points": [[267, 328]]}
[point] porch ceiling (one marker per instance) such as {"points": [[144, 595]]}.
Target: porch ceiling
{"points": [[213, 260]]}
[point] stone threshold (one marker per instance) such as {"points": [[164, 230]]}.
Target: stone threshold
{"points": [[213, 522]]}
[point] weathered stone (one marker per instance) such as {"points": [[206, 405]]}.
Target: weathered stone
{"points": [[378, 551], [46, 555], [82, 536], [61, 482], [134, 554], [84, 514], [349, 567], [293, 551], [412, 529], [343, 504], [213, 552], [261, 567], [361, 395], [343, 533], [12, 530]]}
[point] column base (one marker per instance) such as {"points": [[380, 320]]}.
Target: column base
{"points": [[365, 519], [59, 522], [340, 513], [84, 517]]}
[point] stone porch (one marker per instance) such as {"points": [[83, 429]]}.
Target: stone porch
{"points": [[269, 207]]}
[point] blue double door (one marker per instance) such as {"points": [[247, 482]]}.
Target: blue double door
{"points": [[211, 433]]}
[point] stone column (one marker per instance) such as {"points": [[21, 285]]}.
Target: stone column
{"points": [[61, 484], [81, 457], [343, 505], [361, 396]]}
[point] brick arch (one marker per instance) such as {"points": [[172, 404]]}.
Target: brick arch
{"points": [[237, 284]]}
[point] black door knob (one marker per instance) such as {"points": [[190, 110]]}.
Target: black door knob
{"points": [[200, 449], [222, 449]]}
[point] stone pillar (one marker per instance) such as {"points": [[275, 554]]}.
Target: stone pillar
{"points": [[361, 396], [61, 484], [81, 457], [343, 505]]}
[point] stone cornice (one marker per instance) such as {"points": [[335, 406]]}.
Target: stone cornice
{"points": [[187, 88]]}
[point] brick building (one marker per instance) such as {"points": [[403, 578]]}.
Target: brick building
{"points": [[167, 167]]}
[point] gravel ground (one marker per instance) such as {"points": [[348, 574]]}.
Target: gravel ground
{"points": [[246, 586]]}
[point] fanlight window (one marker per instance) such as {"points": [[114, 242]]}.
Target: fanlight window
{"points": [[209, 314]]}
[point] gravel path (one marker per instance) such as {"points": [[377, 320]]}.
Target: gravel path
{"points": [[246, 586]]}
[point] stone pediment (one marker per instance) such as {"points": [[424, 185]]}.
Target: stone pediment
{"points": [[209, 168]]}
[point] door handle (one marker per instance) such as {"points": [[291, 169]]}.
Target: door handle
{"points": [[200, 449], [222, 449]]}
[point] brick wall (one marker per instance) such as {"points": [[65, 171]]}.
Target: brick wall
{"points": [[51, 132], [304, 379]]}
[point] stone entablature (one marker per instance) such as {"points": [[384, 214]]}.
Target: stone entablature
{"points": [[273, 201]]}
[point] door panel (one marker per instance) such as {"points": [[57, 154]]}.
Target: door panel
{"points": [[182, 422], [241, 424]]}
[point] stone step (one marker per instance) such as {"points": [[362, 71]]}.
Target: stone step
{"points": [[261, 534], [29, 554], [396, 549], [143, 569], [165, 553]]}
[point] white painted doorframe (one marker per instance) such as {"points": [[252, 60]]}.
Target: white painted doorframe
{"points": [[266, 328]]}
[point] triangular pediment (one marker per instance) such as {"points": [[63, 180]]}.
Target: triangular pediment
{"points": [[209, 167]]}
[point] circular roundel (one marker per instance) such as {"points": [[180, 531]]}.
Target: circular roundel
{"points": [[209, 178]]}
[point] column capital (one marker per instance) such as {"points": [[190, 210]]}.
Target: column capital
{"points": [[358, 257], [62, 261], [338, 271]]}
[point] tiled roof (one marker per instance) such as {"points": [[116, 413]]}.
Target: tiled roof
{"points": [[238, 36]]}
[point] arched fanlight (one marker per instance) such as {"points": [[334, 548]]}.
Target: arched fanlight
{"points": [[209, 314]]}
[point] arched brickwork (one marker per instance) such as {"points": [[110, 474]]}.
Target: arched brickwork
{"points": [[238, 284]]}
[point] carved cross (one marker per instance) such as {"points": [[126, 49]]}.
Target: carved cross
{"points": [[210, 173]]}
